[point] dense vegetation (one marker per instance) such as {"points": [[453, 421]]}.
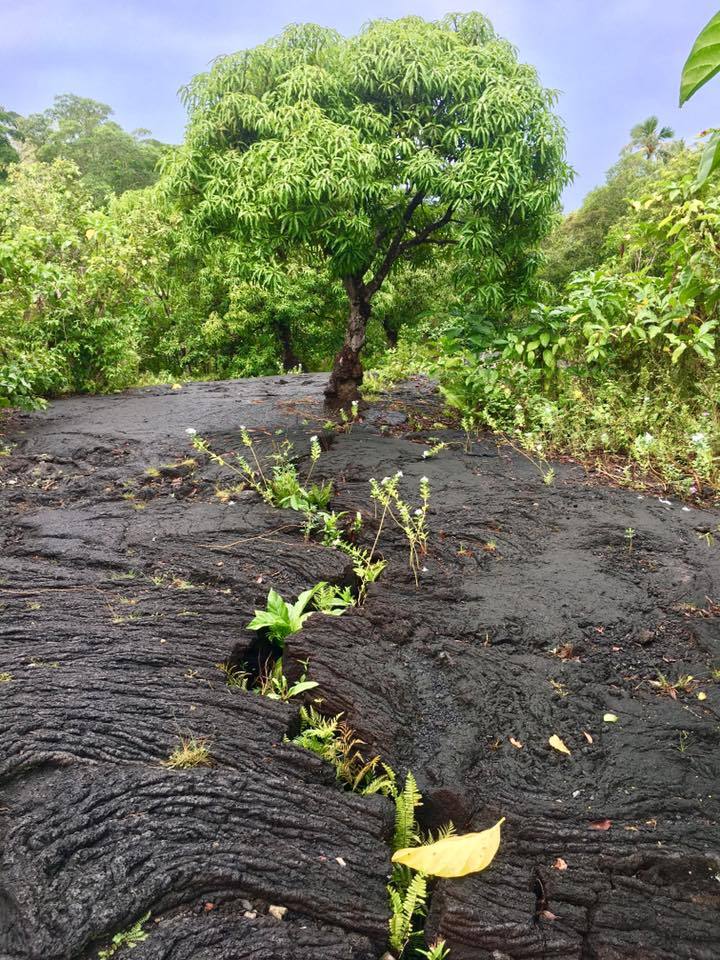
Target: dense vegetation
{"points": [[407, 179]]}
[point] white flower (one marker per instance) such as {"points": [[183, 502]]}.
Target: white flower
{"points": [[424, 570], [399, 473], [191, 432], [418, 512], [313, 439], [424, 480], [426, 453], [698, 438], [648, 438]]}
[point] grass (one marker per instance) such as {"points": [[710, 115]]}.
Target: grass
{"points": [[190, 752]]}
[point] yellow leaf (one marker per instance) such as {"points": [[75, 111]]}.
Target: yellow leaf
{"points": [[610, 718], [90, 233], [453, 856], [557, 744], [702, 696]]}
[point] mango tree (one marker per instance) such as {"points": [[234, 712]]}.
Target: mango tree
{"points": [[373, 150]]}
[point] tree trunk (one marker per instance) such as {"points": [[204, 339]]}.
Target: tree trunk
{"points": [[346, 377], [289, 357], [347, 372]]}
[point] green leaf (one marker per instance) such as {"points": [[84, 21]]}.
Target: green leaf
{"points": [[710, 159], [703, 62]]}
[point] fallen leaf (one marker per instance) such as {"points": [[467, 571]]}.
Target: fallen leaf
{"points": [[601, 824], [560, 864], [651, 823], [277, 912], [702, 696], [516, 743], [632, 829], [453, 856], [557, 744], [610, 718], [587, 736], [548, 915], [341, 861]]}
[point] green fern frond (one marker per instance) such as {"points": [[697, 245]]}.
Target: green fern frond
{"points": [[406, 834]]}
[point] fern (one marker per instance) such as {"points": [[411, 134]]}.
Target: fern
{"points": [[405, 909], [406, 832]]}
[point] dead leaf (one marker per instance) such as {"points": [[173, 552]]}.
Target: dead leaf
{"points": [[557, 744], [610, 718], [516, 743], [277, 912], [587, 736], [209, 906], [548, 915], [560, 864], [601, 824], [453, 856]]}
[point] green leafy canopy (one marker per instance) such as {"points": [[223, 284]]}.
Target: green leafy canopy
{"points": [[370, 149]]}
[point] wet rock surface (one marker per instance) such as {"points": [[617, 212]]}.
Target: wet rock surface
{"points": [[125, 580]]}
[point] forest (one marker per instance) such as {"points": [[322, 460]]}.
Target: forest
{"points": [[359, 517]]}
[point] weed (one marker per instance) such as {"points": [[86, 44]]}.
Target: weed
{"points": [[128, 938], [5, 677], [332, 599], [276, 480], [274, 685], [191, 752], [629, 537], [683, 684], [436, 951], [684, 741], [280, 618], [413, 523], [435, 449]]}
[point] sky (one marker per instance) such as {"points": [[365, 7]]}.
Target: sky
{"points": [[614, 62]]}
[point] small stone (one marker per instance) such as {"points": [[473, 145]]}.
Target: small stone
{"points": [[250, 914], [277, 912], [341, 861]]}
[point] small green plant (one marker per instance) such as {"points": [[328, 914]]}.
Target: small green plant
{"points": [[274, 685], [5, 677], [280, 618], [413, 523], [332, 599], [436, 951], [433, 450], [129, 938], [629, 537], [407, 890], [332, 739], [190, 752], [276, 479], [685, 683], [348, 419]]}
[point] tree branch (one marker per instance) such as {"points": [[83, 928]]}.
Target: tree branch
{"points": [[394, 248]]}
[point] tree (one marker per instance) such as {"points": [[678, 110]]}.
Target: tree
{"points": [[651, 138], [110, 160], [580, 240], [9, 137], [371, 150]]}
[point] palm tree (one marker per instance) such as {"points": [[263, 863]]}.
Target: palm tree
{"points": [[646, 136]]}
